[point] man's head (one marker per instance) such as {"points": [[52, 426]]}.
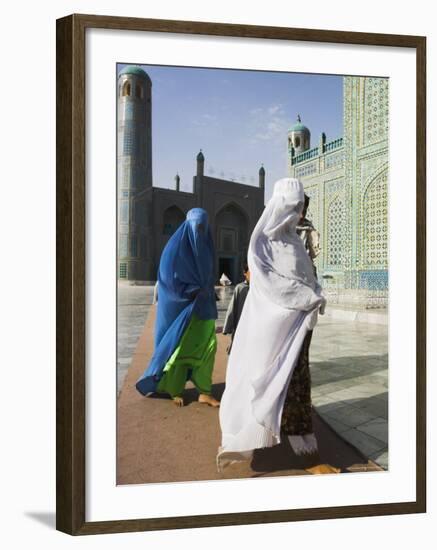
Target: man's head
{"points": [[246, 272]]}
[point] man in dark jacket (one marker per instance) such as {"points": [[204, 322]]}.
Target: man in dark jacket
{"points": [[236, 306]]}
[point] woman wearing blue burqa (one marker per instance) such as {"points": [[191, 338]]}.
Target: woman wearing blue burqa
{"points": [[185, 339]]}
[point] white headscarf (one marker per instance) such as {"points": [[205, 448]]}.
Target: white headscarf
{"points": [[280, 308], [278, 262]]}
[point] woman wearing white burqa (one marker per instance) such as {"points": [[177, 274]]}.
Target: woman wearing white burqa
{"points": [[281, 306]]}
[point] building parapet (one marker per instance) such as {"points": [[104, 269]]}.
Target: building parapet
{"points": [[333, 145], [318, 151], [311, 153]]}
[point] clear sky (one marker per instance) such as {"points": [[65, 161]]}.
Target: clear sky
{"points": [[238, 118]]}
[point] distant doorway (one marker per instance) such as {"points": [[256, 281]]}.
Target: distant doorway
{"points": [[227, 266], [231, 227]]}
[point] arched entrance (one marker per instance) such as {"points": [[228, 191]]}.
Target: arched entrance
{"points": [[375, 207], [231, 242], [172, 219]]}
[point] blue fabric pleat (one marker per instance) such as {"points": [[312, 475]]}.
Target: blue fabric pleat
{"points": [[185, 287]]}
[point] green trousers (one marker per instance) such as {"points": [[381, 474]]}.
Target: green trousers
{"points": [[193, 359]]}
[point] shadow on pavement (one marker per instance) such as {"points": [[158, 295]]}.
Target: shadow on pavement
{"points": [[332, 450], [339, 369]]}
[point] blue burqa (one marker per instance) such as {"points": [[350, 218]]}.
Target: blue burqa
{"points": [[185, 287]]}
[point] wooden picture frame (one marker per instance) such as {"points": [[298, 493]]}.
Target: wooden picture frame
{"points": [[71, 253]]}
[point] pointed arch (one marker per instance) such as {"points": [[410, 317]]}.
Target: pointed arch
{"points": [[232, 216], [172, 218], [232, 207], [383, 168], [232, 239], [139, 92], [126, 90], [375, 214]]}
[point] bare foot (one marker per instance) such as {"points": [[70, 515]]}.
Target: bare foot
{"points": [[208, 400], [178, 401]]}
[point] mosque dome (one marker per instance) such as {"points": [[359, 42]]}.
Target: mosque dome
{"points": [[299, 137], [299, 127], [134, 70]]}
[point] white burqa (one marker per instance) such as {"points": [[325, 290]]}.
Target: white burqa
{"points": [[280, 308]]}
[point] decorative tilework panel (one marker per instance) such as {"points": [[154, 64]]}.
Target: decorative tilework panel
{"points": [[124, 211], [374, 280], [376, 222], [124, 174], [129, 111], [371, 165], [375, 109], [122, 246], [306, 170], [133, 141], [335, 232], [334, 160], [334, 186]]}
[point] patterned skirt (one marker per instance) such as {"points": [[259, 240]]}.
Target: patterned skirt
{"points": [[297, 414]]}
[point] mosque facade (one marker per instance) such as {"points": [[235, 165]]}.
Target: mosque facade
{"points": [[345, 178], [347, 182], [148, 215]]}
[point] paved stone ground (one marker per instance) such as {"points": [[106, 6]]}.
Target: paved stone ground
{"points": [[158, 442], [133, 305], [349, 367]]}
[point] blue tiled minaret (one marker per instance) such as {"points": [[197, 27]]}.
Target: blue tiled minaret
{"points": [[134, 164]]}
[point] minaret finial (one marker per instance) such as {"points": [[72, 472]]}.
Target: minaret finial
{"points": [[262, 176], [200, 163]]}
